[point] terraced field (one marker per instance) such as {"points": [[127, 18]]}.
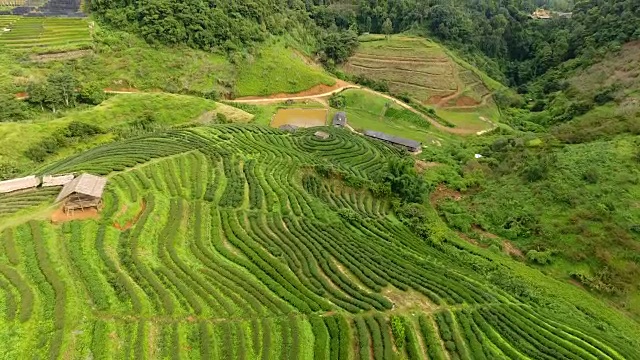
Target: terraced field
{"points": [[426, 72], [235, 248], [43, 35], [417, 67]]}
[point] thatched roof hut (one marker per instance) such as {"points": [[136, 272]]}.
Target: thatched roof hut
{"points": [[83, 192]]}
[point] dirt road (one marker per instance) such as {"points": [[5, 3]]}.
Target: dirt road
{"points": [[278, 98]]}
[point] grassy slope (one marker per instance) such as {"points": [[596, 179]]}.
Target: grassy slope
{"points": [[366, 111], [166, 109], [122, 60], [278, 69], [583, 212], [555, 300]]}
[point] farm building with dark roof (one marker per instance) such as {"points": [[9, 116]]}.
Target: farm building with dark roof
{"points": [[340, 119], [410, 145]]}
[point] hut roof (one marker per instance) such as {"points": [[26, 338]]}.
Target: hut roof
{"points": [[321, 135], [85, 184], [392, 139], [340, 119], [19, 184], [60, 180]]}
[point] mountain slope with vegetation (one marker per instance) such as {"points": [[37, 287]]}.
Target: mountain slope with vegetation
{"points": [[222, 240]]}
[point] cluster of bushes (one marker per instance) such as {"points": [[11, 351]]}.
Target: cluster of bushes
{"points": [[234, 191], [73, 133]]}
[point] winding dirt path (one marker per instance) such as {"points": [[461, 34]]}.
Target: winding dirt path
{"points": [[320, 97]]}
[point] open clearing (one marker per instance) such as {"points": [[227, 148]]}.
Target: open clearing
{"points": [[300, 117]]}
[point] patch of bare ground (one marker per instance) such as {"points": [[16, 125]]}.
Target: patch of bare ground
{"points": [[511, 249], [129, 224], [408, 300], [507, 246], [59, 216], [442, 192], [67, 55], [422, 166], [466, 101]]}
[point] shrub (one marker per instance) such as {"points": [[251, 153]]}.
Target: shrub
{"points": [[338, 101]]}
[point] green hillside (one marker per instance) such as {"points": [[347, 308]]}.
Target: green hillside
{"points": [[512, 234], [429, 74], [239, 244]]}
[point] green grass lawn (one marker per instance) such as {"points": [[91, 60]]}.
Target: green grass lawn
{"points": [[470, 119], [278, 69], [367, 111]]}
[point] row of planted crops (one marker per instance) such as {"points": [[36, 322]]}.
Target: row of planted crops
{"points": [[44, 34], [234, 246]]}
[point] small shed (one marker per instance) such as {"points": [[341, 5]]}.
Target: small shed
{"points": [[23, 183], [56, 180], [288, 128], [321, 135], [340, 119], [83, 192], [408, 144]]}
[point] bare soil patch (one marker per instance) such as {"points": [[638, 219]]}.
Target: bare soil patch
{"points": [[511, 249], [67, 55], [316, 90], [466, 101], [59, 216], [421, 166], [129, 224], [408, 300], [442, 192]]}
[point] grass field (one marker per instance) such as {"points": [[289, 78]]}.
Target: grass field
{"points": [[278, 69], [367, 111], [238, 249], [44, 35], [165, 109]]}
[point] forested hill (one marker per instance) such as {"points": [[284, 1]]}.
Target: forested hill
{"points": [[520, 48], [503, 31], [226, 24]]}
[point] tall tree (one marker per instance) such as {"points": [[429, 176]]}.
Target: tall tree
{"points": [[387, 27]]}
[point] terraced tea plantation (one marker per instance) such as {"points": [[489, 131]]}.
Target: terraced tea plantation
{"points": [[43, 35], [230, 242]]}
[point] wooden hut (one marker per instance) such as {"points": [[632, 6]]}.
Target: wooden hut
{"points": [[83, 192]]}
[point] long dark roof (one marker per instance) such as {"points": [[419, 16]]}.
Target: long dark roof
{"points": [[393, 139], [340, 118]]}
